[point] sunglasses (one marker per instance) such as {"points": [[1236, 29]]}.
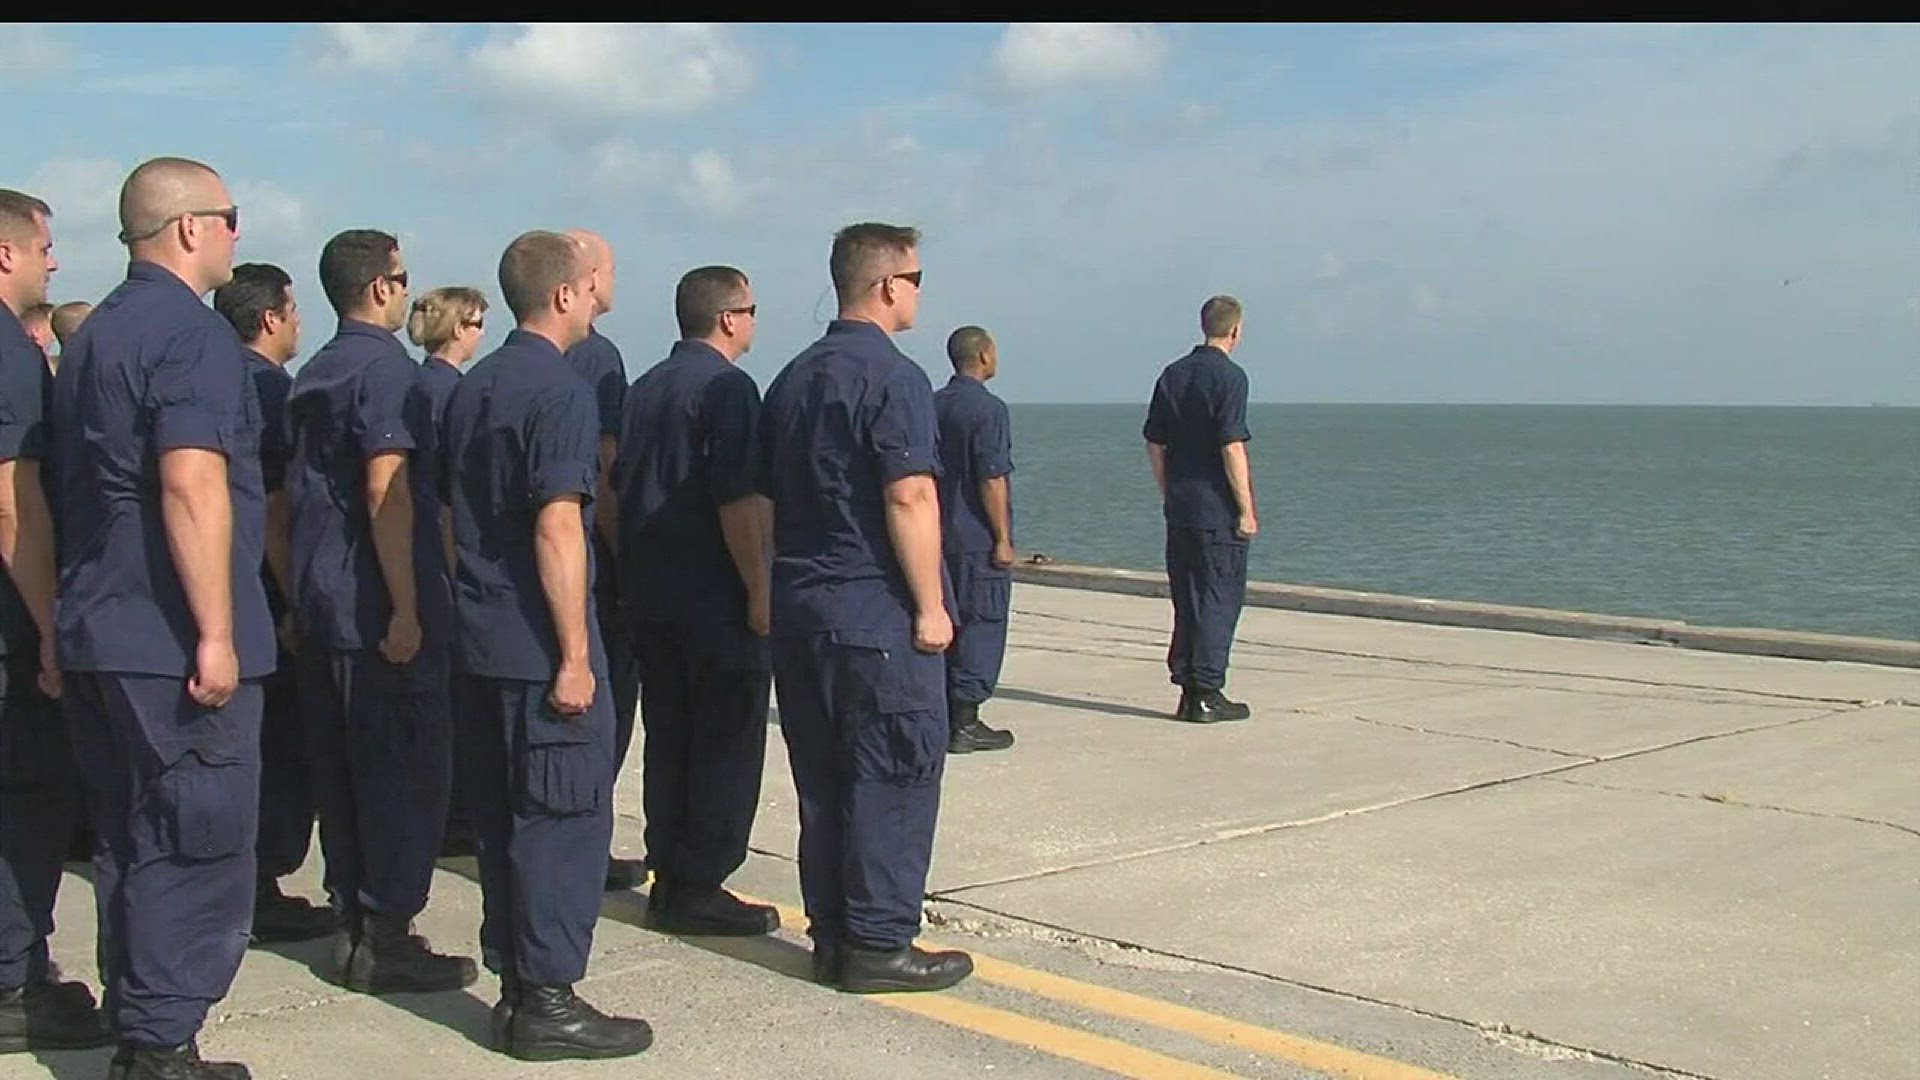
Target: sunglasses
{"points": [[913, 277], [748, 310], [229, 214], [399, 279], [475, 324]]}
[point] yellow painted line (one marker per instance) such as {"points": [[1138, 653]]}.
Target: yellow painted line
{"points": [[1123, 1059], [1321, 1057]]}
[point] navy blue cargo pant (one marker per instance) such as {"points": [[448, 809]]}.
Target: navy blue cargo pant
{"points": [[286, 782], [540, 788], [981, 595], [865, 718], [174, 793], [703, 701], [380, 737], [1207, 575], [38, 802]]}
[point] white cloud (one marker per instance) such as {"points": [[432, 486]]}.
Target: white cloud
{"points": [[371, 46], [84, 194], [1034, 56], [707, 180], [269, 213], [29, 51], [604, 71]]}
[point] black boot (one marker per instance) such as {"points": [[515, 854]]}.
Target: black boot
{"points": [[51, 1016], [829, 961], [712, 912], [1209, 707], [551, 1023], [174, 1063], [279, 918], [384, 956], [625, 873], [870, 971], [501, 1017], [965, 732]]}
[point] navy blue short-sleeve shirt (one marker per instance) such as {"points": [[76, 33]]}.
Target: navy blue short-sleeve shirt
{"points": [[25, 384], [438, 377], [1199, 405], [850, 414], [270, 384], [686, 449], [521, 430], [359, 396], [976, 445], [152, 369]]}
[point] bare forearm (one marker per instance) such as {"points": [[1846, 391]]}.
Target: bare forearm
{"points": [[390, 511], [745, 523], [996, 495], [26, 540], [280, 542], [913, 523], [1239, 475], [1157, 457], [560, 555], [196, 510]]}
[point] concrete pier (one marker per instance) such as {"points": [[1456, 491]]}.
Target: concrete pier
{"points": [[1434, 851]]}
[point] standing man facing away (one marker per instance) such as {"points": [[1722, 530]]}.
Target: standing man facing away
{"points": [[38, 786], [599, 363], [520, 469], [164, 633], [259, 303], [859, 620], [373, 614], [1196, 434], [65, 322], [693, 533], [976, 519]]}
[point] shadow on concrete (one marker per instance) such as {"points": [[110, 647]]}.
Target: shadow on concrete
{"points": [[1111, 708], [74, 1064], [459, 1011], [773, 954]]}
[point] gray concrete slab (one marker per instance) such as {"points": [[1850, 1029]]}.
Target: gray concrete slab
{"points": [[1728, 942]]}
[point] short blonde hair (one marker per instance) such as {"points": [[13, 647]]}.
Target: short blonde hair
{"points": [[438, 315]]}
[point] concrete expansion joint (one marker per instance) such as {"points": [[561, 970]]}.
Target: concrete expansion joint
{"points": [[1107, 951], [1723, 799]]}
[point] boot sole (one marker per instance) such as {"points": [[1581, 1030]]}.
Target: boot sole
{"points": [[699, 929], [570, 1052], [899, 986], [469, 974]]}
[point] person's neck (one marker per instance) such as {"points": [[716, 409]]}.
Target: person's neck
{"points": [[1225, 345], [176, 263], [867, 314], [11, 297], [367, 316], [975, 373], [555, 331]]}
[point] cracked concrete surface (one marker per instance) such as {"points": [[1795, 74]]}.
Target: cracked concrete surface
{"points": [[1490, 854]]}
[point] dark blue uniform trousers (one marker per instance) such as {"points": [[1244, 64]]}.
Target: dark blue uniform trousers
{"points": [[1207, 575], [982, 593], [380, 737], [39, 796], [865, 718], [286, 783], [623, 674], [541, 792], [174, 793], [703, 700]]}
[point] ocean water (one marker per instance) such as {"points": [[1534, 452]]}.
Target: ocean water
{"points": [[1791, 518]]}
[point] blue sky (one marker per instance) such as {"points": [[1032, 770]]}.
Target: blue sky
{"points": [[1452, 213]]}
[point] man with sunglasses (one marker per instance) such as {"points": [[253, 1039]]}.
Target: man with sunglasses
{"points": [[848, 456], [163, 628], [694, 584], [600, 365], [373, 615]]}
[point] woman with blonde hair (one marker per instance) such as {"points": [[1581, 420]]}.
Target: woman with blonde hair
{"points": [[446, 322]]}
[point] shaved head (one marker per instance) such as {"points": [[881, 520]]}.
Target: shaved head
{"points": [[162, 189], [68, 317], [599, 254]]}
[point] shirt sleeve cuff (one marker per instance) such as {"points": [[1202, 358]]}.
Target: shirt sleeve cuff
{"points": [[901, 463], [178, 430], [381, 442]]}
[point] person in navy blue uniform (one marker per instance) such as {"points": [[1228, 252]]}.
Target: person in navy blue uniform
{"points": [[976, 519], [448, 323], [259, 303], [599, 363], [519, 471], [372, 611], [848, 457], [694, 537], [38, 783], [1196, 434], [163, 629]]}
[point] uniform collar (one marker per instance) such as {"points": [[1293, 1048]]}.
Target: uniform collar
{"points": [[689, 349], [1204, 349], [366, 329], [445, 363], [254, 356], [857, 326], [142, 270], [960, 379], [528, 340]]}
